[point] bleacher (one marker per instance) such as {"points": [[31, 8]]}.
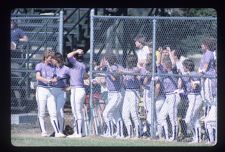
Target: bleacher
{"points": [[42, 34]]}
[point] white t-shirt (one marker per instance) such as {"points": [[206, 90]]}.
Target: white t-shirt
{"points": [[142, 53], [180, 66]]}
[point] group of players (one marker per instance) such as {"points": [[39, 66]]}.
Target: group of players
{"points": [[175, 82], [174, 79], [52, 78]]}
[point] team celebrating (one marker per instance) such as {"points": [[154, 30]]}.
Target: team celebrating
{"points": [[175, 82]]}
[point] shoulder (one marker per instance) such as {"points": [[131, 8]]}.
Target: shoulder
{"points": [[136, 69], [82, 64], [19, 30], [66, 67], [145, 48], [39, 64]]}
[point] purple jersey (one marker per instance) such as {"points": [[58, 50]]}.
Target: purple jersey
{"points": [[169, 82], [131, 81], [214, 87], [148, 85], [208, 58], [113, 85], [187, 83], [62, 75], [46, 70], [77, 72]]}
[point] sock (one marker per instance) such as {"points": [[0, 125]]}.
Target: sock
{"points": [[61, 123], [79, 126], [55, 125], [119, 128], [165, 126], [42, 124]]}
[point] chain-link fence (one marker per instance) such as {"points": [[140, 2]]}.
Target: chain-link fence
{"points": [[155, 102], [30, 36], [132, 91]]}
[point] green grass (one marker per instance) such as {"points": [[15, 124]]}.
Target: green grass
{"points": [[93, 141]]}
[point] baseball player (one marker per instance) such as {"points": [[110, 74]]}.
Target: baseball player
{"points": [[44, 93], [59, 87], [77, 74], [172, 98], [132, 96], [112, 111], [192, 89]]}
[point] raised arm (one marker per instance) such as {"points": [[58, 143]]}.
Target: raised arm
{"points": [[78, 51]]}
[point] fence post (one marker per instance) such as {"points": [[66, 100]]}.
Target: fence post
{"points": [[153, 84], [61, 32], [91, 68]]}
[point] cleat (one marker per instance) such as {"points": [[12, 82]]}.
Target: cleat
{"points": [[44, 134], [60, 135], [75, 136]]}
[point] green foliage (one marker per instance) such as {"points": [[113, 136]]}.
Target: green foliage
{"points": [[199, 12]]}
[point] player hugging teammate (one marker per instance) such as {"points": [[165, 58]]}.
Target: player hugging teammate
{"points": [[112, 112]]}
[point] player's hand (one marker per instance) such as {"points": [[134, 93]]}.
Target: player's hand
{"points": [[80, 51], [53, 80]]}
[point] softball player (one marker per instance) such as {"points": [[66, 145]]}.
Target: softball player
{"points": [[77, 73], [44, 93], [211, 118], [192, 88], [158, 99], [131, 98], [172, 99], [143, 52], [62, 76], [207, 67], [112, 111]]}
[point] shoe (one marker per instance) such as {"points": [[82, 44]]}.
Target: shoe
{"points": [[170, 139], [52, 134], [136, 137], [59, 135], [194, 141], [106, 135], [120, 137], [128, 137], [75, 136], [44, 134]]}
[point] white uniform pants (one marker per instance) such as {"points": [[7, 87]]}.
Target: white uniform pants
{"points": [[169, 108], [112, 111], [211, 122], [44, 96], [77, 101], [60, 96], [130, 108], [192, 118]]}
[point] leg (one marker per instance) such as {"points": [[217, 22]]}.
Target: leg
{"points": [[134, 100], [126, 113], [60, 101], [41, 101]]}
